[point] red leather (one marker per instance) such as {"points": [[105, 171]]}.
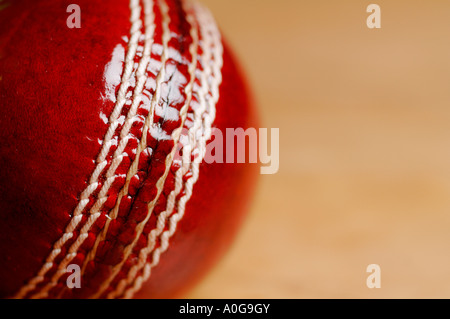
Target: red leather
{"points": [[52, 89]]}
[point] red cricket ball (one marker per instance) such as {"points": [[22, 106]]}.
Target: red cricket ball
{"points": [[105, 120]]}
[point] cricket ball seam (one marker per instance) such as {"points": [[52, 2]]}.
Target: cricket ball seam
{"points": [[168, 160], [141, 76], [188, 149], [208, 31], [146, 58], [204, 73], [135, 33]]}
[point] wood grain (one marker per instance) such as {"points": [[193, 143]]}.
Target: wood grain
{"points": [[364, 175]]}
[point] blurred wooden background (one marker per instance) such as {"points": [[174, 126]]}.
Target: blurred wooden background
{"points": [[364, 118]]}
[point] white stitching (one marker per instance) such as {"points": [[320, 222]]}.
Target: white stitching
{"points": [[101, 162], [150, 27], [176, 135], [178, 185], [118, 155], [160, 183], [205, 22]]}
